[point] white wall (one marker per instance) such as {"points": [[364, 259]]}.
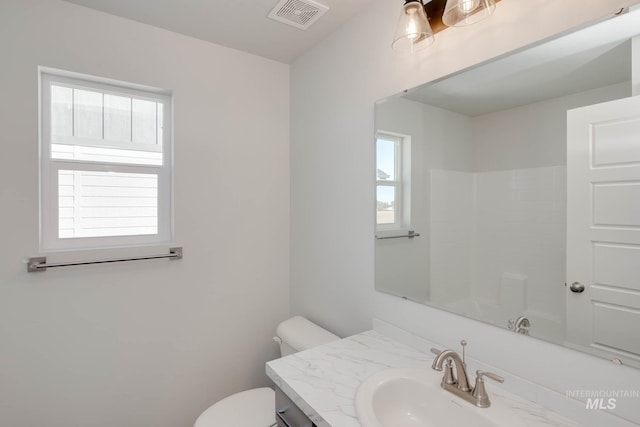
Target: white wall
{"points": [[334, 87], [452, 233], [520, 241], [150, 343], [635, 64], [532, 135]]}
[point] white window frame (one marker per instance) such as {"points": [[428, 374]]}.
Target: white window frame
{"points": [[49, 167]]}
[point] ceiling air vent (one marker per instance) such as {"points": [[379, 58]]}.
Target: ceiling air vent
{"points": [[298, 13]]}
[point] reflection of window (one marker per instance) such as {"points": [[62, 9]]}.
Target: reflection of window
{"points": [[390, 210], [106, 164]]}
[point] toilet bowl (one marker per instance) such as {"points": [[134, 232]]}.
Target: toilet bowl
{"points": [[256, 407], [253, 407]]}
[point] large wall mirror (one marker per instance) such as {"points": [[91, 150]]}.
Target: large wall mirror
{"points": [[510, 192]]}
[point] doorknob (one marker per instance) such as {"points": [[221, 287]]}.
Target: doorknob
{"points": [[576, 287]]}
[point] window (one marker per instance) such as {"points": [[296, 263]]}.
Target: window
{"points": [[106, 163], [392, 170]]}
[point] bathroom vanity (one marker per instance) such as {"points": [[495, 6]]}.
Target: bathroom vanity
{"points": [[322, 382], [288, 414]]}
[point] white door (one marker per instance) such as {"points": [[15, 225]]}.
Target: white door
{"points": [[603, 228]]}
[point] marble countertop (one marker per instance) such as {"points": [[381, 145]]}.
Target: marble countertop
{"points": [[323, 380]]}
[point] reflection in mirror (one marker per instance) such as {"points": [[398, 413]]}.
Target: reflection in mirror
{"points": [[388, 180], [476, 163]]}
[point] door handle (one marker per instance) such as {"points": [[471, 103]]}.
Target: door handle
{"points": [[576, 287]]}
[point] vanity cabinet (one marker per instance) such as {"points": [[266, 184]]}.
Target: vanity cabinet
{"points": [[288, 414]]}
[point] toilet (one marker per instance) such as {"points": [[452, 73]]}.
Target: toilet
{"points": [[256, 407]]}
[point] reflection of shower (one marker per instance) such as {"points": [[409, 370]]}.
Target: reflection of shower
{"points": [[519, 325]]}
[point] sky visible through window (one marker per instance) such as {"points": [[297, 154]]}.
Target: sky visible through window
{"points": [[385, 159]]}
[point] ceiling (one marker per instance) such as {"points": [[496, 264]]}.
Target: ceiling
{"points": [[594, 57], [238, 24], [474, 93]]}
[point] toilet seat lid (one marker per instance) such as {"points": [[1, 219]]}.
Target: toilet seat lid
{"points": [[251, 408]]}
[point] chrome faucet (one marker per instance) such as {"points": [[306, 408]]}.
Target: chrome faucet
{"points": [[459, 384]]}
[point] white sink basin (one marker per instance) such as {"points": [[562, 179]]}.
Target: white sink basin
{"points": [[414, 398]]}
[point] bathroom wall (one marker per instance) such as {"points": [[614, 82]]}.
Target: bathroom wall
{"points": [[334, 87], [532, 135], [153, 343], [447, 147], [497, 244], [453, 227]]}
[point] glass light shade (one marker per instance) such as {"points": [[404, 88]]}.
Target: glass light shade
{"points": [[413, 31], [458, 13]]}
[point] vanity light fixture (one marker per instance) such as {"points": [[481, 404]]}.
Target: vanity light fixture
{"points": [[419, 22], [458, 13], [413, 32]]}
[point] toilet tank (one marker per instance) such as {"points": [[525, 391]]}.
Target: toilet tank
{"points": [[297, 334]]}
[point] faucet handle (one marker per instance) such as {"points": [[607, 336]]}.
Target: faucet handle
{"points": [[436, 351], [481, 374], [479, 391]]}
